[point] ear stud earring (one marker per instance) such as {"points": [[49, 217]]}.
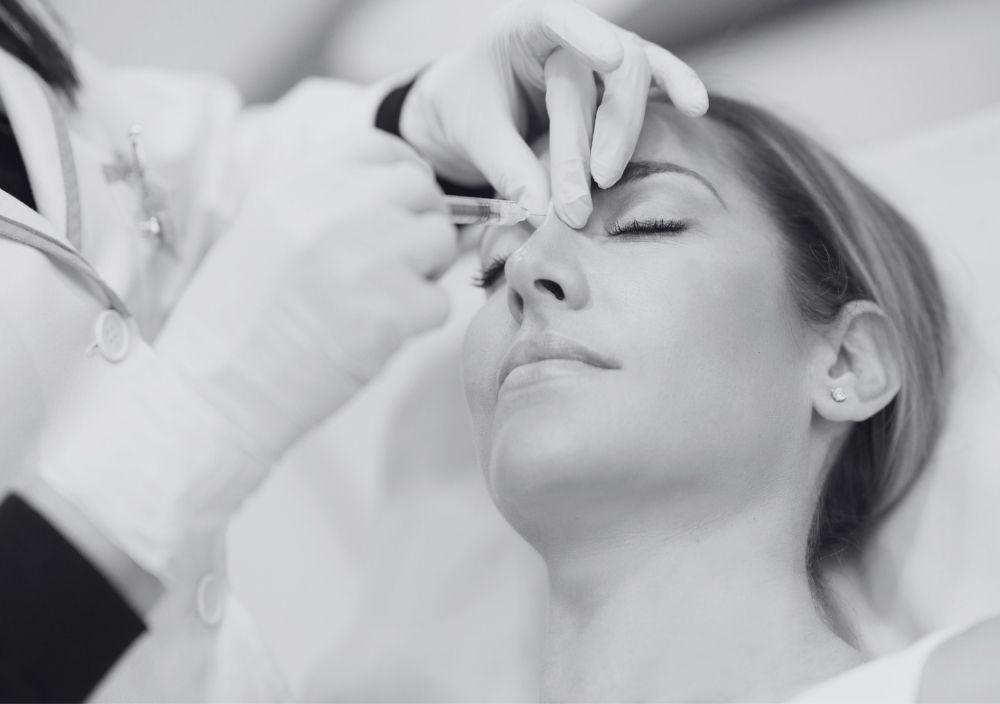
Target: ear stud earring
{"points": [[838, 394]]}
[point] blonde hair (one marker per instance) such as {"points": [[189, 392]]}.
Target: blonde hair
{"points": [[846, 243]]}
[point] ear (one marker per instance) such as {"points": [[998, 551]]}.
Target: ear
{"points": [[859, 356]]}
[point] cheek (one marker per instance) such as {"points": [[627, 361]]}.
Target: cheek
{"points": [[731, 318], [484, 345], [718, 342]]}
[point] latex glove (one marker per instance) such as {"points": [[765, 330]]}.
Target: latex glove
{"points": [[468, 112], [323, 276]]}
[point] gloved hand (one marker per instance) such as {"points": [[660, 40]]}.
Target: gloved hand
{"points": [[467, 113], [323, 276]]}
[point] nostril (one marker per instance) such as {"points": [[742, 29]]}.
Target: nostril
{"points": [[552, 287]]}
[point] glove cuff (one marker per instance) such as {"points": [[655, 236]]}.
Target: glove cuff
{"points": [[387, 119]]}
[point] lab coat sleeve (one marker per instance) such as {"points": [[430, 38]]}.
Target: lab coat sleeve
{"points": [[154, 467], [205, 145], [63, 624]]}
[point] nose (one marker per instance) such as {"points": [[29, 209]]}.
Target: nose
{"points": [[545, 274]]}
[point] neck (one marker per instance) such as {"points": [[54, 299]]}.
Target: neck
{"points": [[721, 612]]}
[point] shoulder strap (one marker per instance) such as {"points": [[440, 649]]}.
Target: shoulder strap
{"points": [[59, 252]]}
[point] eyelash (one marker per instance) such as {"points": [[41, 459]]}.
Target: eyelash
{"points": [[632, 228], [652, 226], [490, 273]]}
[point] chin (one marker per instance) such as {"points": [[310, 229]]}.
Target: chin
{"points": [[536, 470]]}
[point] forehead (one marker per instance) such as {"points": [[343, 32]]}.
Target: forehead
{"points": [[697, 143]]}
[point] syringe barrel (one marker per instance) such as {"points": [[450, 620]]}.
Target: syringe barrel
{"points": [[471, 211]]}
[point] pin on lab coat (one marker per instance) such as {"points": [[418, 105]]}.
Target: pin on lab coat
{"points": [[70, 318]]}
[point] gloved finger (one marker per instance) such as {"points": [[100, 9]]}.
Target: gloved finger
{"points": [[619, 116], [591, 39], [377, 147], [510, 166], [408, 184], [429, 244], [428, 305], [415, 305], [469, 238], [570, 100], [678, 79]]}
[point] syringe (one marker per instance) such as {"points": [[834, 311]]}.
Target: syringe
{"points": [[484, 211]]}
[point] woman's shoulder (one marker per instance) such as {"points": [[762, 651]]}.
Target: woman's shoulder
{"points": [[957, 663], [965, 667]]}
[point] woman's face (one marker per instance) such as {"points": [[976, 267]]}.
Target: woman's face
{"points": [[654, 356]]}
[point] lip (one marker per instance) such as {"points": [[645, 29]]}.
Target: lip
{"points": [[551, 346]]}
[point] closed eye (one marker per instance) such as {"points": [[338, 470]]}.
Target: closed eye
{"points": [[490, 273], [648, 227]]}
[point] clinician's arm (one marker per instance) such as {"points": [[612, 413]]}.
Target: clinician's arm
{"points": [[326, 273]]}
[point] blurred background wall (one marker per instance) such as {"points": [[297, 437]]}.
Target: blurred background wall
{"points": [[854, 71]]}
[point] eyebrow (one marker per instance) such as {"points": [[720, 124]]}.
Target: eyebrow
{"points": [[637, 170]]}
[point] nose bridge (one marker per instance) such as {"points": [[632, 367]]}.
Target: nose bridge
{"points": [[546, 271]]}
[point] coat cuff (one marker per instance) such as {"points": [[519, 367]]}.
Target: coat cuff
{"points": [[387, 119], [151, 465]]}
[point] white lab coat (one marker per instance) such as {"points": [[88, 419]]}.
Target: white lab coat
{"points": [[201, 644]]}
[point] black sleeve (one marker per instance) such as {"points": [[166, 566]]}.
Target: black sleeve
{"points": [[62, 624], [387, 119], [13, 175]]}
